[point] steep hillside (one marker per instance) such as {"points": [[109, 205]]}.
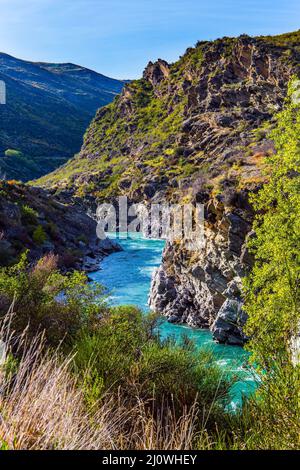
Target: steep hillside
{"points": [[206, 115], [30, 219], [195, 130], [48, 109]]}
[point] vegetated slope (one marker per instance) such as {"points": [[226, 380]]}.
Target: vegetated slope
{"points": [[196, 130], [48, 109], [31, 219], [206, 115]]}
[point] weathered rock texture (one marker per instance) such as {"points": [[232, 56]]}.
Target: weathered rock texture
{"points": [[206, 116], [193, 131], [31, 219], [202, 288]]}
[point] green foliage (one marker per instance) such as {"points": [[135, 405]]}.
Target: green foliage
{"points": [[38, 125], [143, 92], [284, 40], [4, 445], [29, 216], [270, 419], [272, 289], [125, 355], [114, 346], [179, 374], [12, 153], [39, 236], [45, 300]]}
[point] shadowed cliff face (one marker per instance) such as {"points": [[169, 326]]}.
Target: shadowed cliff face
{"points": [[203, 288], [30, 219], [193, 131]]}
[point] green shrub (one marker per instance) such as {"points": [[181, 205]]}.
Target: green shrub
{"points": [[180, 375], [272, 288], [45, 300], [114, 346], [270, 419], [28, 215], [126, 356], [12, 153], [39, 236]]}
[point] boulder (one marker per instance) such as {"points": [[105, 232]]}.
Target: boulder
{"points": [[227, 327]]}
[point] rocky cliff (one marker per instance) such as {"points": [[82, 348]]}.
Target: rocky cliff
{"points": [[203, 288], [193, 131]]}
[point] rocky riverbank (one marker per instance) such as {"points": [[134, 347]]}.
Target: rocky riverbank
{"points": [[32, 219], [203, 288], [193, 131]]}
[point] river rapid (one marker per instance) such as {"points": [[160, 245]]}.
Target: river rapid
{"points": [[127, 276]]}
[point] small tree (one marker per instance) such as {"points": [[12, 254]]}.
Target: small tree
{"points": [[272, 289]]}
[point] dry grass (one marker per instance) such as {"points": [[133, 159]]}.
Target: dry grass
{"points": [[42, 406], [161, 431]]}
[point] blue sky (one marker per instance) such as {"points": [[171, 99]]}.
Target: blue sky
{"points": [[118, 37]]}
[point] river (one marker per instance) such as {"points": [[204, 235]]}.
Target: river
{"points": [[127, 276]]}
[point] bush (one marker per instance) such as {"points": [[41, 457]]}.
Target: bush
{"points": [[270, 419], [114, 346], [272, 289], [179, 375], [43, 408], [45, 300], [126, 356], [39, 236], [12, 153], [29, 216]]}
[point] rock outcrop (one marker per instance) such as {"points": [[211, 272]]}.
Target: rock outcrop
{"points": [[203, 288], [32, 219], [193, 131], [155, 73]]}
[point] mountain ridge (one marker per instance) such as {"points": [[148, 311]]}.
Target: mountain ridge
{"points": [[151, 129], [48, 109]]}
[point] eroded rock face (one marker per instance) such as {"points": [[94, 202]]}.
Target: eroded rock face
{"points": [[156, 72], [203, 288], [228, 325], [186, 132], [65, 229]]}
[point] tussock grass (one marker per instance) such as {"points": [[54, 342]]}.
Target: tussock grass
{"points": [[42, 406]]}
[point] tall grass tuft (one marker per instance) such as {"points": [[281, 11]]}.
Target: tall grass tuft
{"points": [[42, 407]]}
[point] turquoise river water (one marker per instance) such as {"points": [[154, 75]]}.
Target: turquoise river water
{"points": [[127, 276]]}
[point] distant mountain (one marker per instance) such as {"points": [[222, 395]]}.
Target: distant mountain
{"points": [[49, 107]]}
